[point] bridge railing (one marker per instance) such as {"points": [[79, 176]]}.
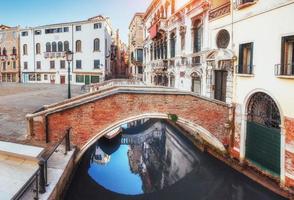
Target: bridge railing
{"points": [[38, 182], [112, 83]]}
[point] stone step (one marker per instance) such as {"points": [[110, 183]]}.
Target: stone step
{"points": [[20, 150]]}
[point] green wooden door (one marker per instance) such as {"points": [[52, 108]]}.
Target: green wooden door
{"points": [[263, 147], [87, 80]]}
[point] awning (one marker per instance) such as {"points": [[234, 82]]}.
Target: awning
{"points": [[153, 31]]}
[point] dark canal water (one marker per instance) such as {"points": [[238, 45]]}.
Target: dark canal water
{"points": [[152, 160]]}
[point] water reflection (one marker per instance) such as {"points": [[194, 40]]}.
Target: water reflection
{"points": [[152, 160]]}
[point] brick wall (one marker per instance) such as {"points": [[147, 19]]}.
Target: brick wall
{"points": [[289, 154], [89, 119]]}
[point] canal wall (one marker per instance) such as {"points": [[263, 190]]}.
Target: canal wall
{"points": [[60, 169]]}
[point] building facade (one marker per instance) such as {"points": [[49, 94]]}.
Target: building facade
{"points": [[9, 54], [136, 44], [43, 52], [239, 52], [119, 63]]}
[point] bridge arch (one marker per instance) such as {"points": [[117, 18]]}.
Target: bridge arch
{"points": [[197, 130]]}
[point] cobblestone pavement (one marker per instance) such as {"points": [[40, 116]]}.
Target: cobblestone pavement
{"points": [[17, 100]]}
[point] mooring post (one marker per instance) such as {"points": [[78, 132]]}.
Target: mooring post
{"points": [[42, 180]]}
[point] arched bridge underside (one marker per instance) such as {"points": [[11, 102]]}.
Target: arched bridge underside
{"points": [[93, 115]]}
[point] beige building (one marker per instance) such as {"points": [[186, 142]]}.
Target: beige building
{"points": [[136, 43], [9, 54]]}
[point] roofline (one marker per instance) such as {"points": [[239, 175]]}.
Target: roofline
{"points": [[138, 14], [67, 23], [150, 8]]}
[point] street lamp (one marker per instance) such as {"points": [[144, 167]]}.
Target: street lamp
{"points": [[69, 56]]}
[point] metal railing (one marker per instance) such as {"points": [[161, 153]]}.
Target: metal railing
{"points": [[39, 180], [284, 69], [245, 69]]}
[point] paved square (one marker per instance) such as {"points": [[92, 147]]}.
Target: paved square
{"points": [[17, 100]]}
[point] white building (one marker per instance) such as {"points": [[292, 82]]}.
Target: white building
{"points": [[43, 52], [237, 51]]}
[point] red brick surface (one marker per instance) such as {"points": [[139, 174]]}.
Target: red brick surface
{"points": [[289, 157], [89, 119]]}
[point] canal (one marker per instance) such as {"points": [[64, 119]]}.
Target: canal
{"points": [[152, 160]]}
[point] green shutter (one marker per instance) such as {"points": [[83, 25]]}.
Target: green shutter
{"points": [[240, 66], [251, 58], [263, 147]]}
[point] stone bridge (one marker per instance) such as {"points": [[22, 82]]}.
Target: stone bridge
{"points": [[94, 114]]}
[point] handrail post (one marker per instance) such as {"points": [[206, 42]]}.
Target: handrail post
{"points": [[67, 141], [42, 181]]}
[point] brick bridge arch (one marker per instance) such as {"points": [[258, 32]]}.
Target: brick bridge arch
{"points": [[92, 115]]}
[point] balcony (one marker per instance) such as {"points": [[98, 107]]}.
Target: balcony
{"points": [[3, 58], [220, 11], [159, 64], [284, 70], [54, 54]]}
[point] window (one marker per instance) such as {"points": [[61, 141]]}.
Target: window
{"points": [[25, 65], [197, 36], [45, 77], [245, 59], [4, 52], [60, 47], [140, 55], [96, 64], [65, 29], [24, 33], [223, 39], [246, 1], [14, 65], [25, 49], [78, 46], [140, 70], [80, 78], [78, 28], [287, 56], [54, 47], [62, 64], [52, 64], [66, 46], [38, 48], [78, 64], [38, 77], [95, 79], [38, 32], [96, 44], [172, 45], [97, 26], [48, 47], [38, 64], [4, 66], [14, 51]]}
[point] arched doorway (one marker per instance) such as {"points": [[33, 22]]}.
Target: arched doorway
{"points": [[263, 137], [196, 83]]}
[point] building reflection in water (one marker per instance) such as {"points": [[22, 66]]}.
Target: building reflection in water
{"points": [[152, 160], [153, 152]]}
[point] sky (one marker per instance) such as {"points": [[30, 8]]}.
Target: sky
{"points": [[29, 13]]}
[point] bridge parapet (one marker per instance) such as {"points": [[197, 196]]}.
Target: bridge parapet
{"points": [[90, 116]]}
